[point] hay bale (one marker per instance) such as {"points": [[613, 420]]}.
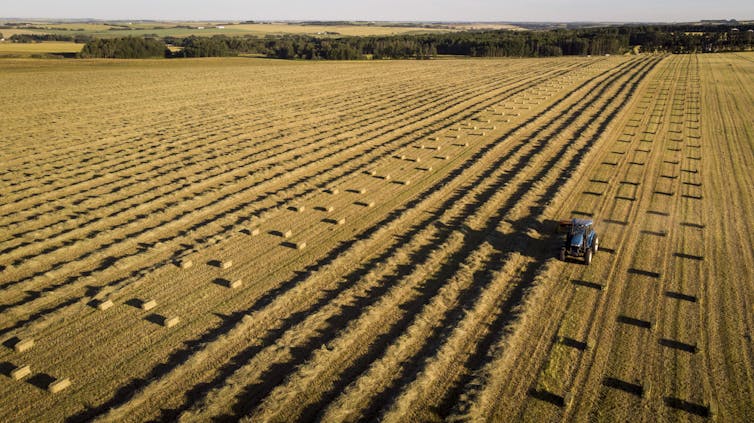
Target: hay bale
{"points": [[58, 385], [328, 209], [148, 305], [23, 345], [186, 263], [404, 182], [417, 160], [362, 190], [386, 177], [20, 372], [297, 208], [226, 264], [169, 322], [254, 232], [104, 305], [333, 191], [341, 221], [235, 284], [300, 245], [286, 234]]}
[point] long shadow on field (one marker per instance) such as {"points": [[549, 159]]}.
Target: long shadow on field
{"points": [[249, 399], [505, 245], [538, 249], [479, 358], [272, 378], [412, 136], [252, 393], [177, 358]]}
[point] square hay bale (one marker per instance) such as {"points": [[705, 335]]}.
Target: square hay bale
{"points": [[442, 157], [58, 385], [362, 190], [297, 208], [371, 172], [104, 305], [286, 234], [417, 160], [169, 322], [148, 305], [254, 232], [365, 203], [327, 209], [421, 146], [333, 191], [23, 345], [226, 264], [235, 284], [341, 221], [20, 372], [386, 177], [426, 168], [186, 263], [300, 245], [404, 182]]}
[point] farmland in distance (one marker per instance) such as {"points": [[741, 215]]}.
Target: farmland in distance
{"points": [[284, 241]]}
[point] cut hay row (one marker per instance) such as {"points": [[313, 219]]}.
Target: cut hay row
{"points": [[611, 236], [350, 349], [654, 387], [369, 300], [432, 382], [225, 140], [255, 140]]}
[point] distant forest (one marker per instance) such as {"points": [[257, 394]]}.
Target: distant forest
{"points": [[497, 43]]}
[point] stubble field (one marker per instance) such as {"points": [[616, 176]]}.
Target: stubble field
{"points": [[286, 241]]}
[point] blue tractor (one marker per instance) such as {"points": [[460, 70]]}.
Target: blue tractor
{"points": [[581, 239]]}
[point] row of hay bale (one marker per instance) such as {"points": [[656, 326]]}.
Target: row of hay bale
{"points": [[23, 371]]}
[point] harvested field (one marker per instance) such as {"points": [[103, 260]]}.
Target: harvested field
{"points": [[287, 241]]}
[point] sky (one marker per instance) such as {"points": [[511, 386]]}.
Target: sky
{"points": [[386, 10]]}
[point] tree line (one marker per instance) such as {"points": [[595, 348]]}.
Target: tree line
{"points": [[498, 43], [38, 38]]}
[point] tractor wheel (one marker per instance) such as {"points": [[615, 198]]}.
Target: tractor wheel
{"points": [[588, 256], [596, 244], [562, 254]]}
